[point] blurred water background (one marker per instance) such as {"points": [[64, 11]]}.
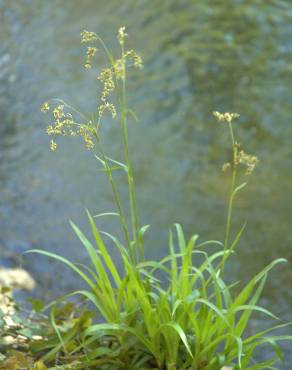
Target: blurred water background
{"points": [[199, 56]]}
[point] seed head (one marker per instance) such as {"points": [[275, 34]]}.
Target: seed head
{"points": [[87, 36], [58, 112], [106, 78], [226, 166], [45, 107], [122, 35], [53, 145], [107, 107], [135, 58], [247, 160], [120, 68], [64, 125], [225, 117], [91, 51]]}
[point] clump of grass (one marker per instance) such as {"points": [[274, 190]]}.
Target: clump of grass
{"points": [[176, 313]]}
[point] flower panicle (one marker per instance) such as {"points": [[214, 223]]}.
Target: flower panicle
{"points": [[63, 123], [248, 160], [108, 85], [135, 58], [45, 107], [122, 34], [107, 107], [53, 145], [90, 53], [225, 117], [226, 166], [88, 36], [239, 155]]}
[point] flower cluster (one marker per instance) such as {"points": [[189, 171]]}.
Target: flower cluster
{"points": [[64, 125], [120, 69], [86, 132], [109, 107], [53, 145], [225, 117], [116, 71], [106, 78], [63, 122], [87, 36], [239, 155], [226, 166], [45, 107], [135, 58], [91, 51], [119, 66], [122, 35], [248, 160]]}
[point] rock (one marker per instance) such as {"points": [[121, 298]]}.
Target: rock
{"points": [[14, 278]]}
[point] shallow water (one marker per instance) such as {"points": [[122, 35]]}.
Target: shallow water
{"points": [[198, 57]]}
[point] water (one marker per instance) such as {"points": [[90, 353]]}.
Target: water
{"points": [[199, 57]]}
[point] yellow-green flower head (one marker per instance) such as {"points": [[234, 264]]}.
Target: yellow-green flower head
{"points": [[87, 36], [120, 69], [226, 166], [135, 58], [64, 125], [249, 161], [50, 130], [225, 117], [45, 107], [91, 51], [53, 145], [58, 112], [106, 78], [85, 133], [109, 107], [122, 35]]}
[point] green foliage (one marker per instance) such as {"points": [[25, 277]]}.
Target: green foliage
{"points": [[176, 313], [195, 321]]}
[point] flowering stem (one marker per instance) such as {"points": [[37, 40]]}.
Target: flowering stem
{"points": [[130, 178], [116, 196], [233, 181], [231, 196]]}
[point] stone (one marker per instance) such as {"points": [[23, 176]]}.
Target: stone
{"points": [[13, 278]]}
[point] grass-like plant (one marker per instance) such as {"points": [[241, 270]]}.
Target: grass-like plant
{"points": [[174, 314]]}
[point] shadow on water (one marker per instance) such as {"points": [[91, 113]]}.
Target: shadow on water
{"points": [[199, 56]]}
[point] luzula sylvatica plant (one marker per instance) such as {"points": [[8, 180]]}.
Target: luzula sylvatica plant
{"points": [[176, 313]]}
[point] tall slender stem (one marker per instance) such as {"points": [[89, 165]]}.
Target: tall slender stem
{"points": [[231, 195], [130, 178], [116, 198]]}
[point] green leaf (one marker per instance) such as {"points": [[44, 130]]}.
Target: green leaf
{"points": [[181, 238], [174, 268], [214, 308], [37, 304], [106, 257], [141, 233], [66, 262], [255, 308], [106, 214], [181, 334]]}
